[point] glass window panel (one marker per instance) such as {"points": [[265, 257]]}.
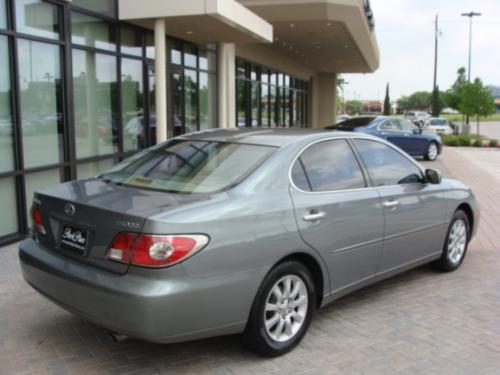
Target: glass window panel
{"points": [[264, 104], [152, 103], [8, 224], [6, 126], [272, 99], [106, 7], [131, 40], [208, 101], [207, 60], [94, 87], [255, 103], [241, 102], [92, 32], [175, 52], [191, 100], [273, 78], [37, 18], [41, 103], [385, 165], [331, 165], [176, 104], [253, 73], [264, 76], [3, 14], [287, 81], [92, 169], [280, 79], [40, 180], [132, 107], [150, 45], [190, 55]]}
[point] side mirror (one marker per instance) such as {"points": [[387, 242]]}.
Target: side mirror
{"points": [[433, 176]]}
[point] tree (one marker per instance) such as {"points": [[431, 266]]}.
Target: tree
{"points": [[387, 102], [452, 96], [354, 107], [476, 100], [437, 103], [420, 100]]}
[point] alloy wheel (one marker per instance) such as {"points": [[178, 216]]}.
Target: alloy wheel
{"points": [[457, 241]]}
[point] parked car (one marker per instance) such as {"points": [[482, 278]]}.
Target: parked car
{"points": [[241, 231], [341, 118], [438, 125], [402, 133], [417, 117]]}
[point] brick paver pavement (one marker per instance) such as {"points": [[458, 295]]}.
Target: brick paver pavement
{"points": [[421, 322]]}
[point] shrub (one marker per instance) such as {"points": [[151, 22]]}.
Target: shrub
{"points": [[493, 142], [464, 140], [477, 142]]}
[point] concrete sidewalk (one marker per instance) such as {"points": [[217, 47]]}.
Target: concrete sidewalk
{"points": [[421, 322]]}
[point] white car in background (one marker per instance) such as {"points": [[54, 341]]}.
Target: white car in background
{"points": [[438, 125]]}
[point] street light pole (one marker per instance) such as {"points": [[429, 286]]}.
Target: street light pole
{"points": [[470, 15]]}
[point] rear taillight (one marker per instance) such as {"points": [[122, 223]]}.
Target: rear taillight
{"points": [[38, 224], [154, 250]]}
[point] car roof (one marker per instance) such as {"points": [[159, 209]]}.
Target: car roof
{"points": [[265, 136]]}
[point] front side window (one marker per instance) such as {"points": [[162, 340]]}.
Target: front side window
{"points": [[184, 166], [326, 166], [385, 165], [393, 125]]}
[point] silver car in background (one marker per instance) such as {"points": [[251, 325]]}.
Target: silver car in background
{"points": [[241, 231]]}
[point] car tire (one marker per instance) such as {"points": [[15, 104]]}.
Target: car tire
{"points": [[275, 326], [456, 243], [432, 151]]}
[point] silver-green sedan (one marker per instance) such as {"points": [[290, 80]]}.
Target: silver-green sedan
{"points": [[241, 231]]}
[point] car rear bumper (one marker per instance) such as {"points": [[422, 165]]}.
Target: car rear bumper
{"points": [[154, 305]]}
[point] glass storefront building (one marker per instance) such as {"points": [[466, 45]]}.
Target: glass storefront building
{"points": [[77, 95]]}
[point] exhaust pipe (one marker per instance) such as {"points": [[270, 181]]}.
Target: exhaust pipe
{"points": [[117, 337]]}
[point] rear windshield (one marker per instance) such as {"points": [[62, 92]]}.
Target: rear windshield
{"points": [[184, 166], [353, 123], [438, 122]]}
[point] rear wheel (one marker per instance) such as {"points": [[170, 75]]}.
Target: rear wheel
{"points": [[455, 246], [432, 151], [282, 310]]}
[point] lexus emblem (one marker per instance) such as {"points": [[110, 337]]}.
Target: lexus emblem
{"points": [[69, 209]]}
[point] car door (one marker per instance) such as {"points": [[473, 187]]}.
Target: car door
{"points": [[417, 143], [336, 213], [414, 211], [391, 130]]}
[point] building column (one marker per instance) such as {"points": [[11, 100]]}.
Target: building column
{"points": [[324, 100], [226, 64], [161, 80]]}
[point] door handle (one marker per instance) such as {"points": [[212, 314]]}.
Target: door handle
{"points": [[391, 204], [313, 216]]}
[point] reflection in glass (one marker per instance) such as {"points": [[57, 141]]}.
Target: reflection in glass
{"points": [[272, 105], [131, 40], [92, 169], [207, 60], [190, 100], [241, 102], [92, 32], [132, 106], [264, 104], [255, 102], [96, 119], [150, 45], [175, 52], [190, 55], [41, 103], [40, 180], [3, 14], [208, 101], [37, 18], [152, 103], [106, 7], [175, 127], [6, 139], [8, 200]]}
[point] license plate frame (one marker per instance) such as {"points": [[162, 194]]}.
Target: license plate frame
{"points": [[74, 238]]}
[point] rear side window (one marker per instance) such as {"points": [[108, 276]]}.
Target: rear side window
{"points": [[387, 166], [327, 166]]}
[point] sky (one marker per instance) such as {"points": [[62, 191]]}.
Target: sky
{"points": [[405, 34]]}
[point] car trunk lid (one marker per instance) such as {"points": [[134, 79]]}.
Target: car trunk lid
{"points": [[82, 218]]}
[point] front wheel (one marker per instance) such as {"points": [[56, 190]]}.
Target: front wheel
{"points": [[455, 246], [432, 151], [282, 310]]}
